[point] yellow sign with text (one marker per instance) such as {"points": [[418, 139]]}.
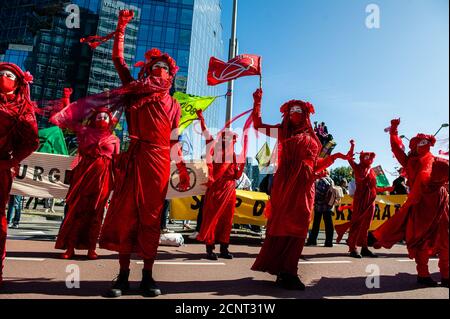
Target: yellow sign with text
{"points": [[250, 208]]}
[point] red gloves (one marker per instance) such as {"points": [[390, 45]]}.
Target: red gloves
{"points": [[394, 126], [257, 98], [125, 16], [67, 92]]}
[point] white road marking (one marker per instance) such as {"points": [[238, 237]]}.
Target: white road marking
{"points": [[24, 259], [31, 233], [412, 260], [184, 263], [324, 262]]}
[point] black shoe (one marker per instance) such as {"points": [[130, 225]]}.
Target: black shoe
{"points": [[444, 283], [210, 254], [354, 254], [328, 245], [290, 282], [224, 252], [426, 281], [371, 240], [121, 286], [365, 252], [309, 244], [148, 286]]}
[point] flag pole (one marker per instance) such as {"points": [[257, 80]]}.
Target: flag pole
{"points": [[231, 55]]}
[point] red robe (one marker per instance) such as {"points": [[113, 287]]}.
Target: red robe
{"points": [[132, 223], [18, 139], [423, 222], [291, 204], [219, 205], [363, 207], [92, 182]]}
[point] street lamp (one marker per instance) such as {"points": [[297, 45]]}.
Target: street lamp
{"points": [[445, 125], [404, 137], [231, 55]]}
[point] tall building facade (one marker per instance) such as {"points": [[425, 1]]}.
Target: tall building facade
{"points": [[35, 33]]}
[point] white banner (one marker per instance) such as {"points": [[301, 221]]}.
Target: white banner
{"points": [[43, 175], [47, 176]]}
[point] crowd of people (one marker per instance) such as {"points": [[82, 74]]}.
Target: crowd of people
{"points": [[138, 178]]}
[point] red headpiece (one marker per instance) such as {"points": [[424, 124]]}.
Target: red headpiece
{"points": [[153, 56], [306, 106], [364, 154], [419, 137], [24, 79]]}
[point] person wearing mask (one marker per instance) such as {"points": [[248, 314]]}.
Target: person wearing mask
{"points": [[18, 136], [292, 197], [133, 221]]}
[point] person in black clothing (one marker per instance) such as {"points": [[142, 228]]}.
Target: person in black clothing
{"points": [[400, 185], [322, 209]]}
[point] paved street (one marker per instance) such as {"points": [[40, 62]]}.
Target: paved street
{"points": [[34, 270]]}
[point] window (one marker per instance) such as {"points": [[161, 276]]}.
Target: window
{"points": [[185, 37], [186, 16], [173, 12], [146, 12], [170, 35], [159, 13], [156, 36]]}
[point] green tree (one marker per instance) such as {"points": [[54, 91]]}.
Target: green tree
{"points": [[338, 174]]}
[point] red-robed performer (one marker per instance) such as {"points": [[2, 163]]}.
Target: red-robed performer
{"points": [[18, 135], [92, 181], [292, 200], [363, 207], [423, 221], [132, 223], [220, 198]]}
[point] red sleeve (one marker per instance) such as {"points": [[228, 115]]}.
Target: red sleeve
{"points": [[397, 148], [118, 56], [269, 130]]}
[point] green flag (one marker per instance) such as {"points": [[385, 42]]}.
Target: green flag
{"points": [[190, 104], [51, 140], [382, 180], [263, 156]]}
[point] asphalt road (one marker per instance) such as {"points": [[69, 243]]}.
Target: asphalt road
{"points": [[33, 270]]}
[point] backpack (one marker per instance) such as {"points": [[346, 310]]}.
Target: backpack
{"points": [[334, 195]]}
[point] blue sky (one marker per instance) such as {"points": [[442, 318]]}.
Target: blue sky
{"points": [[357, 78]]}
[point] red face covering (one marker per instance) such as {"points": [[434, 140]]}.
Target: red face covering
{"points": [[102, 124], [367, 159], [297, 118], [423, 150], [161, 73], [7, 85]]}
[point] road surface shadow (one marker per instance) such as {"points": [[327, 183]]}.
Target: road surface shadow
{"points": [[245, 287], [356, 286], [334, 255]]}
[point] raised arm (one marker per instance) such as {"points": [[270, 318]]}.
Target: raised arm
{"points": [[67, 93], [125, 16], [270, 130], [351, 154], [205, 131], [397, 144], [324, 163]]}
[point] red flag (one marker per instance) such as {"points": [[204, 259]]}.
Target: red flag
{"points": [[242, 65]]}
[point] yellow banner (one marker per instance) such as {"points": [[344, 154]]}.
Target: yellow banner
{"points": [[250, 209]]}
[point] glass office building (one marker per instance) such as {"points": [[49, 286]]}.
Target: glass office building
{"points": [[34, 33]]}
